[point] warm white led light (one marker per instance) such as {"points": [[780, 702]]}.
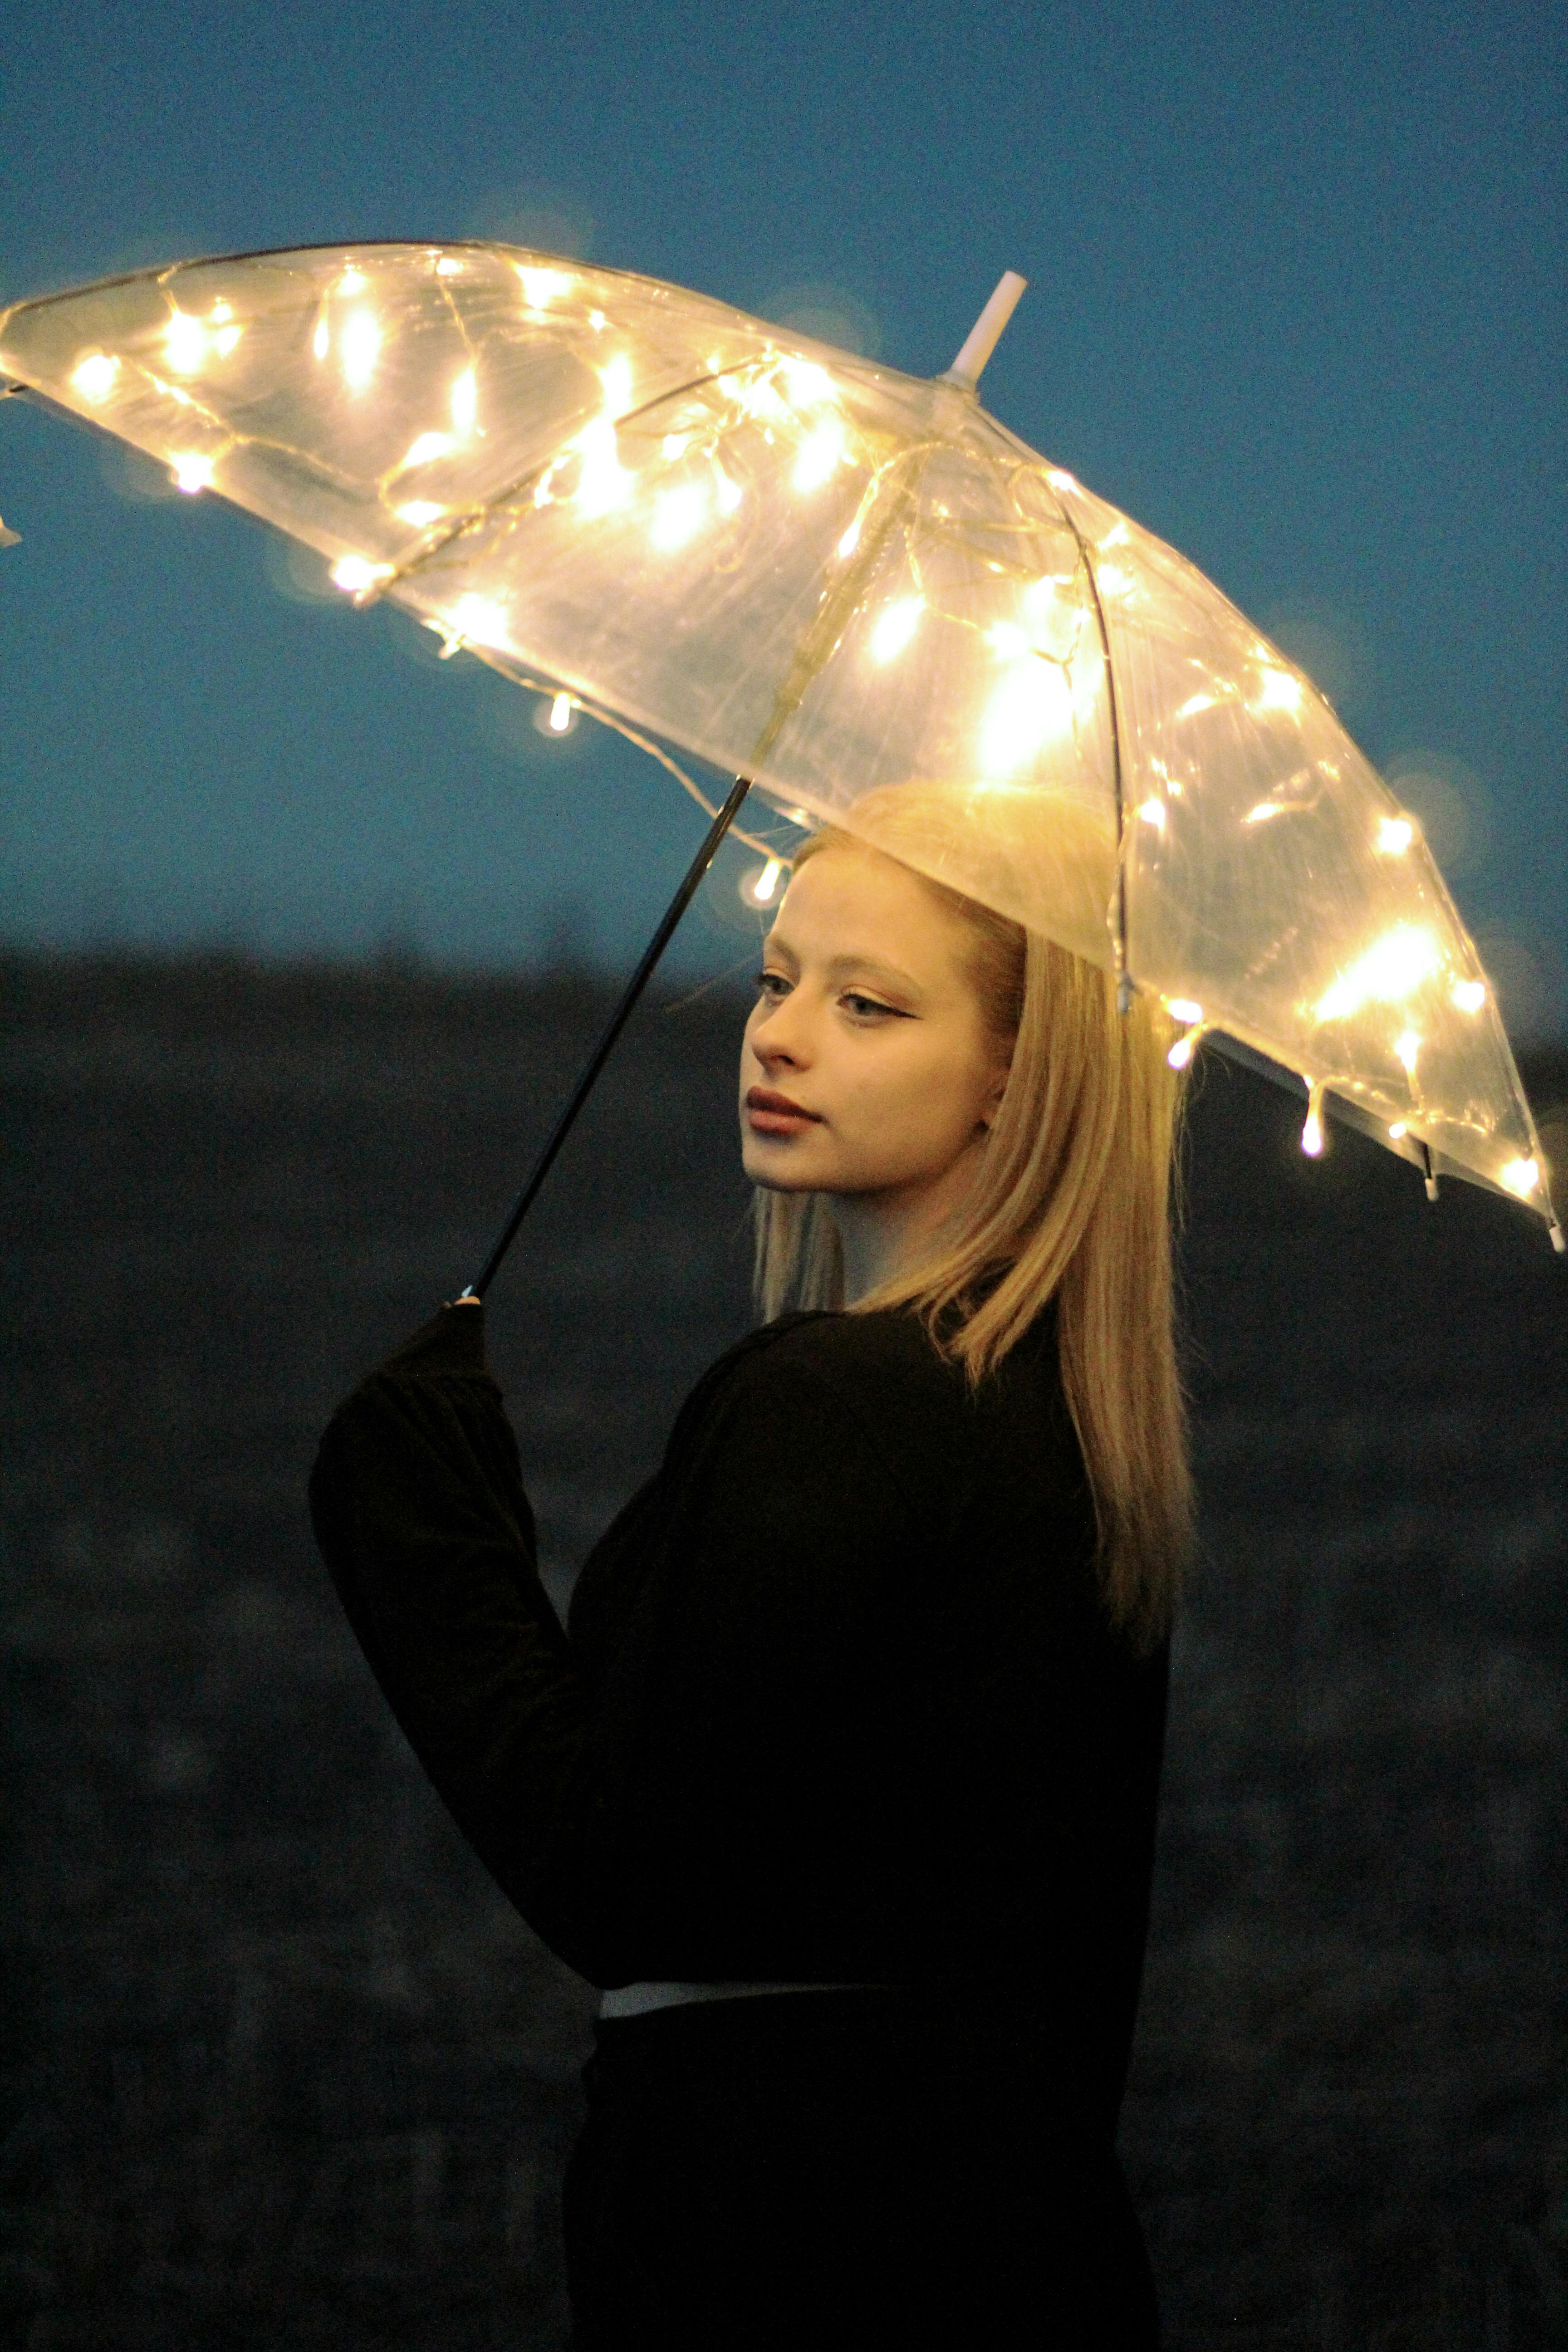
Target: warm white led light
{"points": [[1312, 1133], [806, 381], [1407, 1048], [820, 453], [1521, 1176], [353, 573], [1263, 812], [1193, 704], [475, 620], [726, 492], [359, 347], [94, 376], [616, 376], [420, 512], [191, 472], [1469, 995], [761, 889], [1182, 1008], [465, 400], [1394, 836], [543, 287], [1279, 690], [1031, 707], [184, 342], [1153, 813], [426, 449], [1394, 967], [561, 714], [678, 515], [604, 481], [894, 627]]}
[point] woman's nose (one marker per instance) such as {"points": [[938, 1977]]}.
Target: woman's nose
{"points": [[775, 1042]]}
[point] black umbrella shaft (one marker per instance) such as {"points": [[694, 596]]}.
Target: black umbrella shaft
{"points": [[617, 1021]]}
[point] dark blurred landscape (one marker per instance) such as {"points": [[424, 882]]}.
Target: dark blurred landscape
{"points": [[283, 2069]]}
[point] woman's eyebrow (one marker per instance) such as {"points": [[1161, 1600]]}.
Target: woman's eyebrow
{"points": [[841, 967]]}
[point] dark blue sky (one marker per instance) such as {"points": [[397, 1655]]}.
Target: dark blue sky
{"points": [[1296, 302]]}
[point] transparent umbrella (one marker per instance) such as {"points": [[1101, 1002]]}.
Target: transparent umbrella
{"points": [[855, 592]]}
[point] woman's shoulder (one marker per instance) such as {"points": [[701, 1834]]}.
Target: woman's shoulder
{"points": [[882, 1370]]}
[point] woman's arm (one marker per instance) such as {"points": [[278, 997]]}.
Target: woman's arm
{"points": [[674, 1818]]}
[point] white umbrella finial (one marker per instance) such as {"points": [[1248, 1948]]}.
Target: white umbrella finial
{"points": [[986, 333]]}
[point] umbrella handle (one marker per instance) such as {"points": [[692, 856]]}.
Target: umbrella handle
{"points": [[617, 1021]]}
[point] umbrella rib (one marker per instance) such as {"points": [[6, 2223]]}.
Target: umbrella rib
{"points": [[1124, 981]]}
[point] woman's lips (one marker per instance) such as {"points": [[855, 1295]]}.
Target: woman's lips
{"points": [[768, 1113]]}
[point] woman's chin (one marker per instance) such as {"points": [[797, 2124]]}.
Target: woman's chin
{"points": [[774, 1163]]}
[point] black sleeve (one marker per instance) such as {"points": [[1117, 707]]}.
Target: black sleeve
{"points": [[672, 1820]]}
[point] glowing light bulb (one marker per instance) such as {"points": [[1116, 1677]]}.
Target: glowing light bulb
{"points": [[1521, 1176], [1112, 580], [1007, 639], [561, 714], [852, 539], [184, 342], [1394, 836], [1182, 1008], [448, 268], [1263, 812], [728, 493], [1279, 690], [543, 287], [675, 444], [191, 472], [1312, 1130], [426, 449], [1116, 535], [1193, 704], [616, 379], [465, 400], [1182, 1052], [765, 883], [1469, 995], [352, 282], [597, 320], [1031, 707], [226, 339], [806, 381], [820, 453], [321, 341], [677, 516], [604, 481], [1059, 480], [94, 376], [359, 347], [1398, 1130], [1153, 813], [1407, 1048], [420, 512], [353, 573], [474, 620], [894, 627], [1392, 968]]}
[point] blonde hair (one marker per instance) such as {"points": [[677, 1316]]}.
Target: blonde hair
{"points": [[1073, 1203]]}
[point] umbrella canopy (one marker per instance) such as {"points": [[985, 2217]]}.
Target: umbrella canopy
{"points": [[856, 588]]}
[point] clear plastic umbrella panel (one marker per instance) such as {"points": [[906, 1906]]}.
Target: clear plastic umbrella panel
{"points": [[854, 589]]}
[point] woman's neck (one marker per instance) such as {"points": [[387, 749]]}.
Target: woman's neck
{"points": [[883, 1234]]}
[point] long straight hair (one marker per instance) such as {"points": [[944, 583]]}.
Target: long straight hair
{"points": [[1072, 1200]]}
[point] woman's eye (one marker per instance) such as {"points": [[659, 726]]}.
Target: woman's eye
{"points": [[771, 984], [864, 1007]]}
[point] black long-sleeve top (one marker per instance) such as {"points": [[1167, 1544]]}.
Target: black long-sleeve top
{"points": [[837, 1701]]}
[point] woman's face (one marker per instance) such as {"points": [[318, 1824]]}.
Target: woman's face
{"points": [[866, 1067]]}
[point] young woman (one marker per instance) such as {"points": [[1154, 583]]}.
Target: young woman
{"points": [[842, 1780]]}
